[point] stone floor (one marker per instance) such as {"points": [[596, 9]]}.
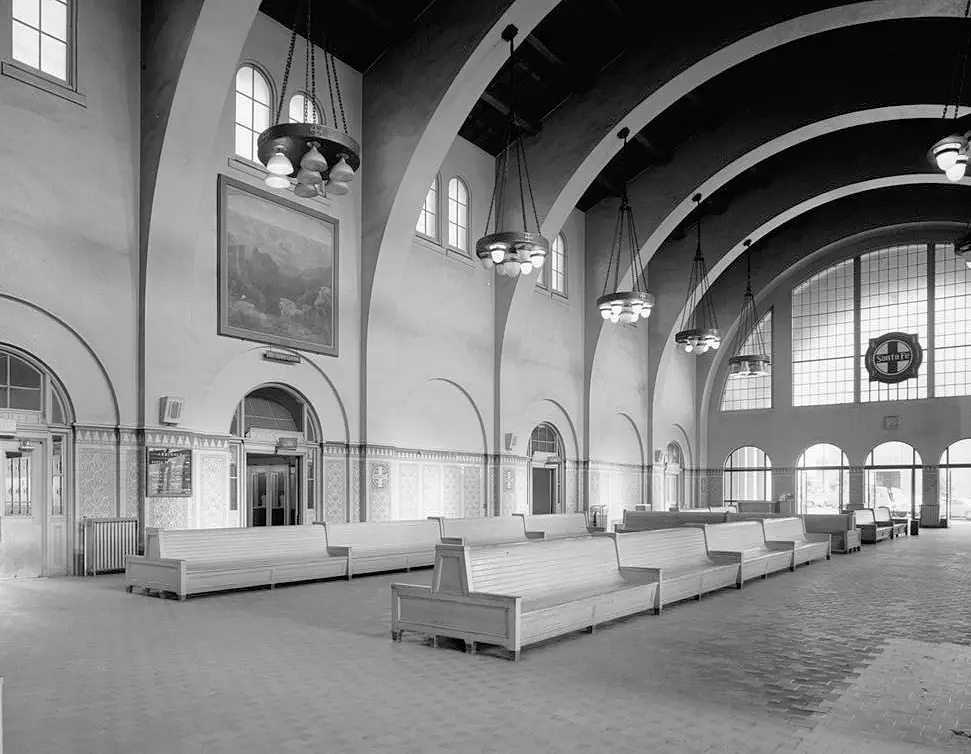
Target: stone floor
{"points": [[868, 652]]}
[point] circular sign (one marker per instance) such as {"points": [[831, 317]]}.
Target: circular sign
{"points": [[893, 357]]}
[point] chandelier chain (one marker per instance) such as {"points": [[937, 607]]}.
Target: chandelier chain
{"points": [[618, 233], [306, 68], [957, 83], [286, 69]]}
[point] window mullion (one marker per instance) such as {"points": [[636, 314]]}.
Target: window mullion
{"points": [[857, 344], [931, 317]]}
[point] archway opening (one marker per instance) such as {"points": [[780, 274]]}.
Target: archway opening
{"points": [[822, 480], [547, 461], [276, 446], [955, 482], [894, 478]]}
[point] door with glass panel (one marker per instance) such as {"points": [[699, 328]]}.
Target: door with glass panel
{"points": [[272, 498], [22, 515]]}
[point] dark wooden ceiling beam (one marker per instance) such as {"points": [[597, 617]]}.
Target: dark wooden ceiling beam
{"points": [[527, 125], [388, 27], [611, 187], [658, 155], [574, 78]]}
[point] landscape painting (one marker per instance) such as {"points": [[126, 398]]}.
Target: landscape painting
{"points": [[277, 270]]}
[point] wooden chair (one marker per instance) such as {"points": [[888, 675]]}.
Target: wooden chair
{"points": [[792, 531], [744, 542], [376, 546]]}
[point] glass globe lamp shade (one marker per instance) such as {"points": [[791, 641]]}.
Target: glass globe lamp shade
{"points": [[342, 171], [309, 177], [275, 181], [605, 313], [701, 348], [945, 152], [278, 164], [512, 267], [497, 255], [313, 160], [715, 344], [487, 263], [305, 191], [337, 188], [537, 259], [958, 169], [688, 348]]}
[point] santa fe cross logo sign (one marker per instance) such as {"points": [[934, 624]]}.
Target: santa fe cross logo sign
{"points": [[893, 357]]}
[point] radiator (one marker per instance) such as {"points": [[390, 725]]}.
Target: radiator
{"points": [[106, 543]]}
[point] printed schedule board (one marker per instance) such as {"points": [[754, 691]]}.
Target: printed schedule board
{"points": [[169, 473]]}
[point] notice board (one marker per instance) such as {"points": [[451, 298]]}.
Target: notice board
{"points": [[169, 473]]}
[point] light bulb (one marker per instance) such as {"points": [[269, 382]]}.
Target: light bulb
{"points": [[342, 171], [278, 164], [525, 267], [605, 313], [512, 267], [946, 158], [538, 259], [614, 318], [337, 188], [958, 169], [688, 348], [501, 269], [616, 309], [645, 312], [628, 317], [277, 181], [497, 255], [702, 348], [715, 343]]}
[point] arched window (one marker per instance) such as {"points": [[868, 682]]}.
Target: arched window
{"points": [[25, 387], [822, 480], [955, 481], [42, 36], [747, 476], [252, 110], [427, 224], [894, 478], [458, 215], [749, 393], [546, 452], [557, 265], [673, 476], [303, 110]]}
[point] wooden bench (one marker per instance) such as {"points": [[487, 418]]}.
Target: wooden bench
{"points": [[518, 594], [791, 531], [680, 559], [194, 561], [898, 526], [870, 531], [555, 525], [744, 542], [844, 536], [489, 530], [376, 546], [651, 520]]}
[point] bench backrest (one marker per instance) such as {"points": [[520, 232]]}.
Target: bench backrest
{"points": [[384, 534], [882, 516], [648, 520], [544, 567], [831, 523], [663, 548], [230, 543], [864, 517], [736, 536], [784, 529], [558, 524], [485, 531]]}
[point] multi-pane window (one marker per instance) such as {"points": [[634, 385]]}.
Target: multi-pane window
{"points": [[427, 224], [894, 478], [952, 313], [57, 476], [893, 298], [747, 475], [544, 439], [458, 215], [955, 481], [252, 110], [748, 393], [822, 480], [822, 338], [303, 110], [40, 35], [18, 493], [20, 384], [557, 265]]}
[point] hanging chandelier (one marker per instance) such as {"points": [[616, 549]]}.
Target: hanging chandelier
{"points": [[625, 306], [321, 158], [512, 252], [749, 354], [951, 153], [699, 328]]}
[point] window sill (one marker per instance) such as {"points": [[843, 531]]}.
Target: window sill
{"points": [[556, 298], [426, 242], [255, 170], [41, 81]]}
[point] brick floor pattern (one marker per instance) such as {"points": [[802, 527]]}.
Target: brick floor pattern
{"points": [[866, 652]]}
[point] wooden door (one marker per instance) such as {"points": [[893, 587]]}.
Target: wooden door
{"points": [[543, 491], [22, 512], [271, 496]]}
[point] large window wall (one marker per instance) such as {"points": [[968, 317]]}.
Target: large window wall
{"points": [[747, 475], [822, 479], [955, 481], [893, 478]]}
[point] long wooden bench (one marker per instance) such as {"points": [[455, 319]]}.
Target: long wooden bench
{"points": [[870, 530], [376, 546], [488, 530], [681, 560], [519, 594], [792, 532], [651, 520], [194, 561], [898, 526], [555, 525], [744, 542], [844, 536]]}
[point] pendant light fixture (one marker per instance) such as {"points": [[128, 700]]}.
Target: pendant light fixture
{"points": [[321, 158], [951, 153], [625, 306], [699, 328], [749, 354], [512, 252]]}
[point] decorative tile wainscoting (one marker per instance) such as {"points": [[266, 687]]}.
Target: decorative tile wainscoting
{"points": [[618, 486]]}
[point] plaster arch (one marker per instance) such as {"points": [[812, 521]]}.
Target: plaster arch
{"points": [[619, 440], [248, 370], [440, 414], [66, 354], [552, 412]]}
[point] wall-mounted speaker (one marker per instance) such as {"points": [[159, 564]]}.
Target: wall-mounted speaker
{"points": [[511, 441], [170, 409]]}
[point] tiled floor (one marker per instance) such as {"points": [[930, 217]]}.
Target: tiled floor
{"points": [[865, 653]]}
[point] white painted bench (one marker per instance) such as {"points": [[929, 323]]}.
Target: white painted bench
{"points": [[898, 526], [518, 594], [375, 546], [488, 530], [194, 561], [792, 532], [651, 520], [870, 530], [680, 559], [555, 525], [744, 542], [841, 527]]}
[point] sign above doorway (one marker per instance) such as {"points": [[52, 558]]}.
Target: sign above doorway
{"points": [[893, 357]]}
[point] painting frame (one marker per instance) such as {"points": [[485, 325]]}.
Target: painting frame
{"points": [[228, 188]]}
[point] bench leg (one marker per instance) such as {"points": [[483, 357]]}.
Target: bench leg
{"points": [[128, 589], [470, 647], [396, 636], [512, 654]]}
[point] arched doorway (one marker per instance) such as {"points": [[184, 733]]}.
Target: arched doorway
{"points": [[955, 481], [277, 451], [36, 504], [673, 476], [547, 457], [894, 478], [822, 480]]}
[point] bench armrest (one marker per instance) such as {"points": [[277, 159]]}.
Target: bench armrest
{"points": [[641, 574], [817, 537], [453, 541], [535, 535], [339, 551], [780, 544], [725, 557], [163, 562]]}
